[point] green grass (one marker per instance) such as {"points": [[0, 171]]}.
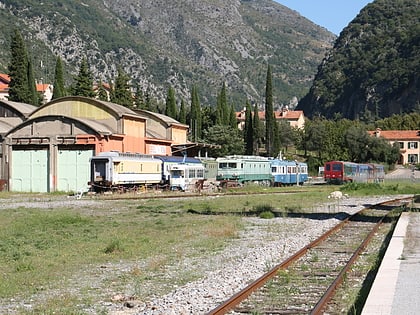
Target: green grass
{"points": [[41, 248]]}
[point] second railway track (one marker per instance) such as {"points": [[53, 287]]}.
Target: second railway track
{"points": [[306, 282]]}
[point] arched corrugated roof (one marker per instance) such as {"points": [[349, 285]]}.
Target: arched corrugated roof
{"points": [[117, 110], [160, 117], [91, 124], [24, 109]]}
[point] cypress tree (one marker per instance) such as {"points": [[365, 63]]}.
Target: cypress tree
{"points": [[122, 91], [138, 97], [222, 109], [170, 105], [182, 116], [232, 118], [195, 123], [18, 70], [59, 89], [83, 85], [256, 125], [248, 131], [34, 97], [269, 118]]}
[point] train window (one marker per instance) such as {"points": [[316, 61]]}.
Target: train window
{"points": [[336, 167]]}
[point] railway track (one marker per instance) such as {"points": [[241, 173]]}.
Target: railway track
{"points": [[306, 283]]}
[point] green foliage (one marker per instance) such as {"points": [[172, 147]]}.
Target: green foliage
{"points": [[269, 116], [229, 139], [372, 71], [170, 108], [266, 215], [263, 208], [59, 88], [19, 87], [122, 94], [83, 81]]}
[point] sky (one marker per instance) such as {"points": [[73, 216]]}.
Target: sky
{"points": [[334, 15]]}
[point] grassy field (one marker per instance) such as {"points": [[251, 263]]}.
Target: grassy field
{"points": [[43, 247]]}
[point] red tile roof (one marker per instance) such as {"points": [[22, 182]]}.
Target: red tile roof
{"points": [[397, 134], [4, 78]]}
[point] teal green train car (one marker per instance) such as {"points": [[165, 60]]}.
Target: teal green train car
{"points": [[244, 168]]}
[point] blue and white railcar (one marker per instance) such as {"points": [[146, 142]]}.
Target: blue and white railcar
{"points": [[287, 173], [244, 168], [185, 176], [169, 161], [124, 170]]}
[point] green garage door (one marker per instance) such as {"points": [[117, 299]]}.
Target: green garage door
{"points": [[30, 171], [73, 169]]}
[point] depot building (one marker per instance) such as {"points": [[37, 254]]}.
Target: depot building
{"points": [[48, 148]]}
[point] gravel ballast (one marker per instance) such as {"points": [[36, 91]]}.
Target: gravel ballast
{"points": [[263, 244]]}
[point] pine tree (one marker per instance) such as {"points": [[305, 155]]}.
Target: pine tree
{"points": [[195, 123], [138, 97], [182, 116], [248, 131], [170, 105], [269, 119], [101, 93], [59, 89], [276, 138], [122, 91], [83, 85], [18, 70]]}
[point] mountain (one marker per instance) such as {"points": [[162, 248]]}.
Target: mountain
{"points": [[373, 69], [176, 43]]}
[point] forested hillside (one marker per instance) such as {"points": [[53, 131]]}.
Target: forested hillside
{"points": [[373, 70], [174, 43]]}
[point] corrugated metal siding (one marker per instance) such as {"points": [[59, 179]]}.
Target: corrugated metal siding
{"points": [[74, 109], [73, 169], [30, 171]]}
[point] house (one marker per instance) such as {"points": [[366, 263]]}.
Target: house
{"points": [[4, 86], [45, 90], [408, 140], [295, 118]]}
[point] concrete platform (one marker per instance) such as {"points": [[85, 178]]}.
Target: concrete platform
{"points": [[396, 289]]}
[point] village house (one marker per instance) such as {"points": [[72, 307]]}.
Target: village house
{"points": [[44, 89], [408, 140], [295, 118]]}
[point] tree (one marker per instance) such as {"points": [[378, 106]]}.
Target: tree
{"points": [[195, 116], [18, 70], [122, 91], [83, 85], [222, 109], [257, 130], [182, 115], [35, 98], [248, 131], [229, 139], [101, 92], [59, 89], [269, 118], [170, 105], [138, 97]]}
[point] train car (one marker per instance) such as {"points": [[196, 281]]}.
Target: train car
{"points": [[210, 165], [244, 168], [287, 173], [114, 170], [343, 172], [185, 176], [169, 161]]}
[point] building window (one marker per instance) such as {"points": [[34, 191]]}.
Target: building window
{"points": [[412, 145], [401, 145], [413, 158]]}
